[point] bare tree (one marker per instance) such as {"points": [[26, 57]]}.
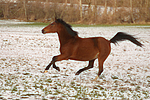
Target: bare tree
{"points": [[131, 12], [114, 11], [105, 11], [95, 11], [147, 10], [46, 10], [66, 2], [89, 10], [25, 9], [80, 6], [104, 17], [115, 6], [6, 10]]}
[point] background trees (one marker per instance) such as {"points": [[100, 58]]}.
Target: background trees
{"points": [[77, 11]]}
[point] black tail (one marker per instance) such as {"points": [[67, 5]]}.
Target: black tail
{"points": [[121, 36]]}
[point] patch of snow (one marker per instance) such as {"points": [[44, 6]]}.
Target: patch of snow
{"points": [[25, 52]]}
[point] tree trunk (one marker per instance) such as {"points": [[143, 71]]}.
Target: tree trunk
{"points": [[115, 7], [46, 11], [89, 10], [131, 12], [147, 11], [95, 10], [66, 2], [5, 11], [80, 6], [105, 10], [114, 11], [25, 9]]}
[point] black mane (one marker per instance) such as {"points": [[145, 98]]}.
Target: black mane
{"points": [[68, 27]]}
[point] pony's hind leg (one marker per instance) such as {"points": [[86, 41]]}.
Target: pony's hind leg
{"points": [[104, 51], [100, 61], [91, 63]]}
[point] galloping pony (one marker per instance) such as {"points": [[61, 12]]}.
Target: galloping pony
{"points": [[82, 49]]}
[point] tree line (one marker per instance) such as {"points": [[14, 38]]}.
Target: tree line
{"points": [[77, 11]]}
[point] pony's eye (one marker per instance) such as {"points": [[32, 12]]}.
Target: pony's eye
{"points": [[52, 24]]}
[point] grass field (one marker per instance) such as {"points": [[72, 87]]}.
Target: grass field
{"points": [[25, 52]]}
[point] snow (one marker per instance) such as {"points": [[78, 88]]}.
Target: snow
{"points": [[14, 21], [25, 52]]}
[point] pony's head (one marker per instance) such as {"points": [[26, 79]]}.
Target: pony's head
{"points": [[58, 25], [51, 28]]}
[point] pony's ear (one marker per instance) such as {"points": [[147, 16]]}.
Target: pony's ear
{"points": [[55, 14], [55, 18]]}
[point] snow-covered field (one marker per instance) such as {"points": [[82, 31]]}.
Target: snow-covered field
{"points": [[25, 52]]}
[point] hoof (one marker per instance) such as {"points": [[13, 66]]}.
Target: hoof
{"points": [[45, 71], [57, 68], [77, 73], [96, 78]]}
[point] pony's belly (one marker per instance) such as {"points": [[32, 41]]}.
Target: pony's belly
{"points": [[85, 51], [85, 56]]}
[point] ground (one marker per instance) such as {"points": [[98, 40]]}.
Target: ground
{"points": [[25, 52]]}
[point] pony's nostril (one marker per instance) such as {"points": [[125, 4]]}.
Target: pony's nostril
{"points": [[43, 31]]}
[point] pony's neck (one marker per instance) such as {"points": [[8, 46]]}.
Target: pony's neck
{"points": [[64, 36]]}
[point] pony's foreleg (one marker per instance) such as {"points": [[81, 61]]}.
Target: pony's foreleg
{"points": [[54, 59], [91, 63], [57, 68], [52, 62]]}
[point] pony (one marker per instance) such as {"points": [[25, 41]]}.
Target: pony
{"points": [[74, 47]]}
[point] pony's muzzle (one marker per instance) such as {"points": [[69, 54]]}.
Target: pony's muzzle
{"points": [[43, 31]]}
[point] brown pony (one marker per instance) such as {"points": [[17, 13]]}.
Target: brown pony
{"points": [[82, 49]]}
